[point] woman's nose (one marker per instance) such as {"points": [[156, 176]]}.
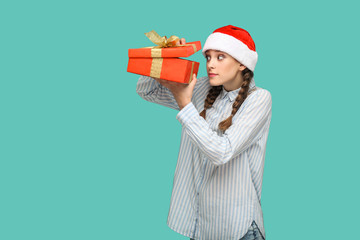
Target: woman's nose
{"points": [[211, 64]]}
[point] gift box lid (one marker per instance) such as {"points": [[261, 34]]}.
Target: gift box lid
{"points": [[185, 50], [165, 47]]}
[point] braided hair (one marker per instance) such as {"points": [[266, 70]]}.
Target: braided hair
{"points": [[215, 91]]}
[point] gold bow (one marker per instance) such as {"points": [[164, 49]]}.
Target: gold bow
{"points": [[162, 42]]}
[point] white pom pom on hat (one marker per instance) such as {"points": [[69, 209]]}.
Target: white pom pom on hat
{"points": [[234, 41]]}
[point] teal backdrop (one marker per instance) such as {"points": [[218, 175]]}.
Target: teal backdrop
{"points": [[84, 157]]}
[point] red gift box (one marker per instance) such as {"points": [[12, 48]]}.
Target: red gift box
{"points": [[172, 69], [162, 60]]}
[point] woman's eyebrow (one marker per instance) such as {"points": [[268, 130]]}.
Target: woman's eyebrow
{"points": [[215, 51]]}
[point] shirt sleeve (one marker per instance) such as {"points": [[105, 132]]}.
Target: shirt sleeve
{"points": [[246, 129], [151, 90]]}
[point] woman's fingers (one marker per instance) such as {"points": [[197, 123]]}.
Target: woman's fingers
{"points": [[182, 41], [193, 81], [160, 81], [172, 84], [165, 83]]}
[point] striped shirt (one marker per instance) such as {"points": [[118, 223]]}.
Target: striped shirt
{"points": [[218, 177]]}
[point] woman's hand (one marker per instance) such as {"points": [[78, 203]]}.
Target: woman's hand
{"points": [[182, 92]]}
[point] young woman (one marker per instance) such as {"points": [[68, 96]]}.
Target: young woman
{"points": [[225, 122]]}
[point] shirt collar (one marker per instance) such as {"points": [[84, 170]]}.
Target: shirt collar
{"points": [[231, 95]]}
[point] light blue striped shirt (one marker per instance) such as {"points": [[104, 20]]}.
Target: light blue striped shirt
{"points": [[218, 177]]}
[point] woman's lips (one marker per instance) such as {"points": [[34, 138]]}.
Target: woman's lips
{"points": [[212, 74]]}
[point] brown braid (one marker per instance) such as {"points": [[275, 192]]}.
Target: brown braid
{"points": [[243, 93], [210, 99]]}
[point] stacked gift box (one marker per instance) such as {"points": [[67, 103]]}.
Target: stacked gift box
{"points": [[162, 61]]}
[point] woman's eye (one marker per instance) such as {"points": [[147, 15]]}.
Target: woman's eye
{"points": [[220, 57]]}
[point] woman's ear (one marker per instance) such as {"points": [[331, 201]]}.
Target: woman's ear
{"points": [[241, 67]]}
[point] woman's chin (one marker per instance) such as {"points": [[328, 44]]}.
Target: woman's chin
{"points": [[214, 83]]}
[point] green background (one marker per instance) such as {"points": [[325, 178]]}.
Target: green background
{"points": [[84, 157]]}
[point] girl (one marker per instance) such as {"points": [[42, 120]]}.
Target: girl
{"points": [[225, 122]]}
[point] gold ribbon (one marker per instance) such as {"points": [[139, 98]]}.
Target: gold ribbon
{"points": [[156, 66], [164, 42]]}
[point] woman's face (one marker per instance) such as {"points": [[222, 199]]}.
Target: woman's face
{"points": [[224, 70]]}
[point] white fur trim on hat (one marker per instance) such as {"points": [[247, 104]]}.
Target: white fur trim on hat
{"points": [[232, 46]]}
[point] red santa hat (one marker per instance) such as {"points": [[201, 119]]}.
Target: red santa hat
{"points": [[234, 41]]}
